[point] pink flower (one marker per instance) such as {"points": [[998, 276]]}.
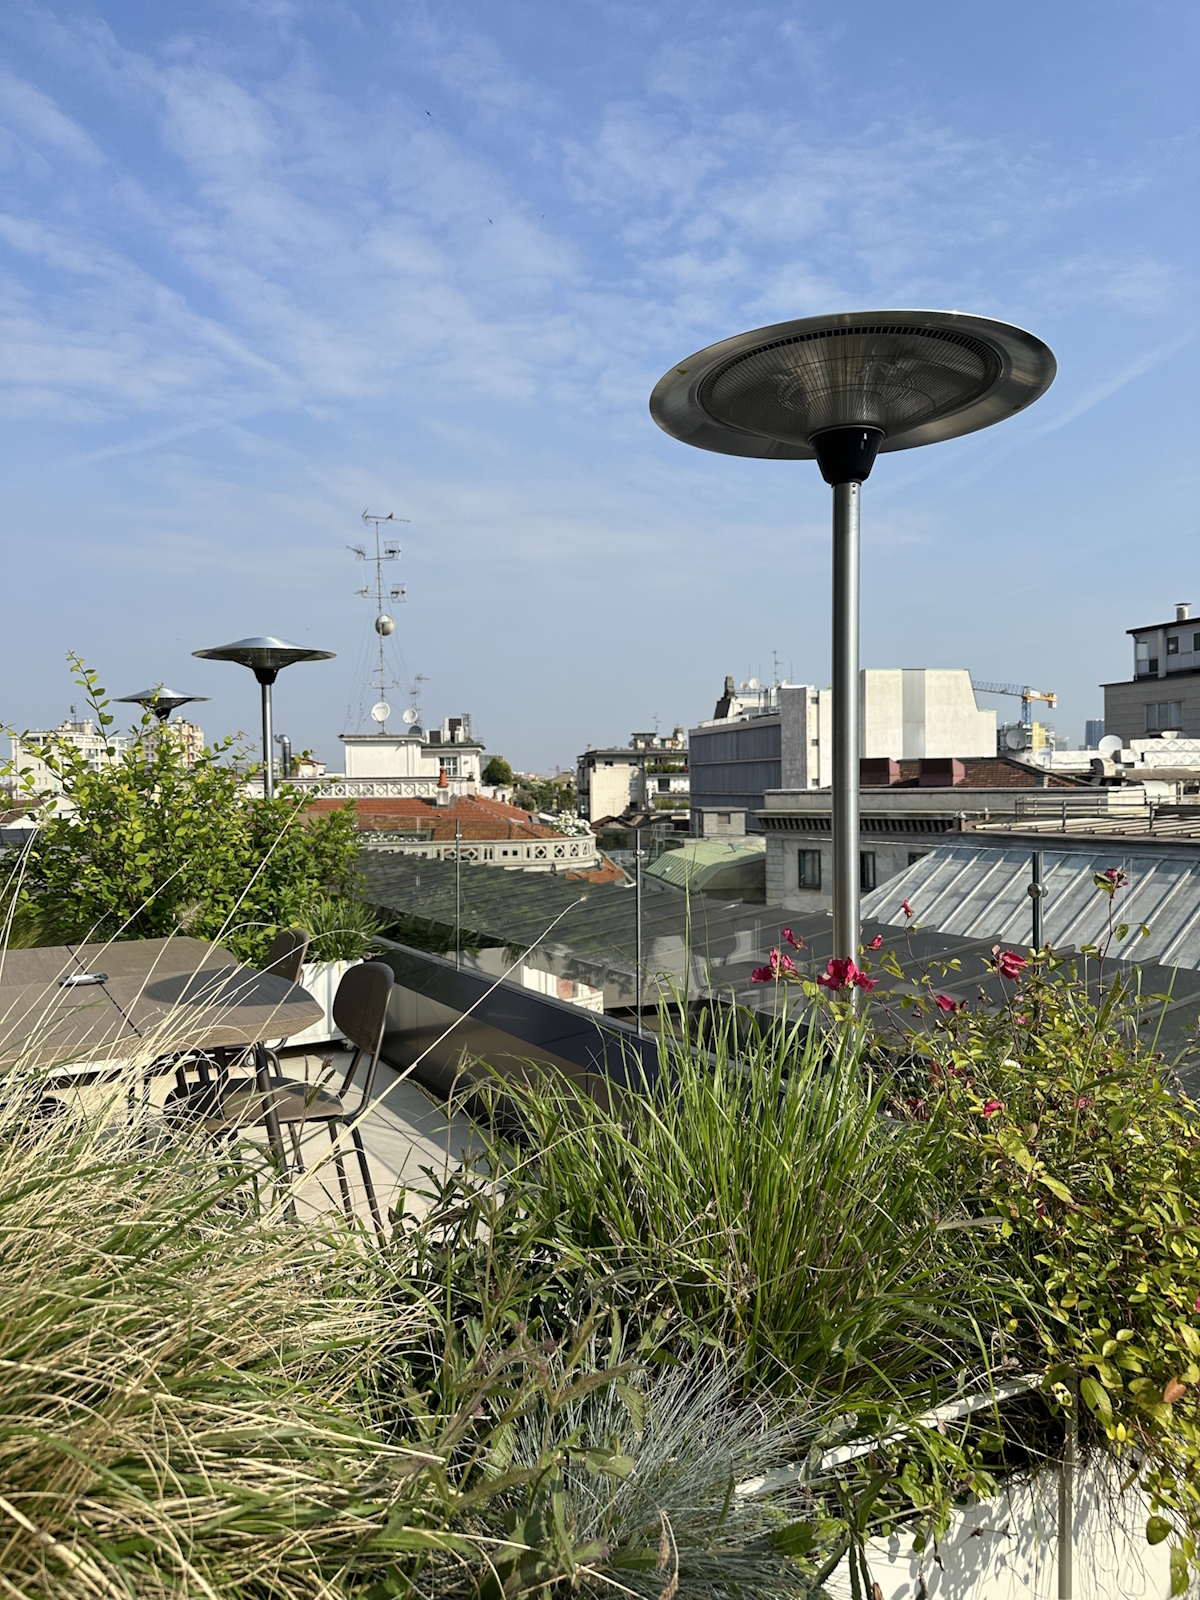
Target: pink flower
{"points": [[790, 938], [844, 974], [907, 909], [875, 942], [1009, 964], [944, 1003], [992, 1106], [777, 967], [1196, 1307], [1110, 880]]}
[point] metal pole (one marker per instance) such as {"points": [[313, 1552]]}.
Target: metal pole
{"points": [[1035, 894], [457, 895], [845, 720], [637, 937], [268, 773], [1066, 1500]]}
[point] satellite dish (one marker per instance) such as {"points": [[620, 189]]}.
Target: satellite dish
{"points": [[411, 715], [753, 684], [1110, 746], [381, 711], [1014, 739], [384, 625]]}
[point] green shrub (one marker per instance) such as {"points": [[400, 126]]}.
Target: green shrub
{"points": [[342, 929], [1075, 1144], [149, 846]]}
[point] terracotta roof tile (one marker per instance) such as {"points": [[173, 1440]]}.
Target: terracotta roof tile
{"points": [[477, 817]]}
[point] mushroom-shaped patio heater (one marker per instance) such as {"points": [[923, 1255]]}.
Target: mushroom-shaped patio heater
{"points": [[161, 700], [266, 658], [839, 390]]}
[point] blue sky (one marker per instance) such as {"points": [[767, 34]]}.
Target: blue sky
{"points": [[264, 265]]}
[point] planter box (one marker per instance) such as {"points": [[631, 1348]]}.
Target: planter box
{"points": [[321, 979]]}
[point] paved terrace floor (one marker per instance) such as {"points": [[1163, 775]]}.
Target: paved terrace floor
{"points": [[407, 1131]]}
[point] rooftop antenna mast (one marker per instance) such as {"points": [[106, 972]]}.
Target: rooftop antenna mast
{"points": [[385, 550]]}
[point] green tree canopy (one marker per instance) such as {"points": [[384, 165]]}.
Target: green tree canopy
{"points": [[148, 845], [497, 772]]}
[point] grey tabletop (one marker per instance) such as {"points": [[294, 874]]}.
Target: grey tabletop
{"points": [[157, 996]]}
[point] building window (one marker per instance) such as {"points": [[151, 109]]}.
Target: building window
{"points": [[810, 869], [1173, 645], [724, 818], [866, 870], [448, 765], [1196, 641], [664, 786], [1162, 715], [915, 855]]}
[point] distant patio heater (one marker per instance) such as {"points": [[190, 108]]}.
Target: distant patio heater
{"points": [[161, 700], [839, 390], [266, 658]]}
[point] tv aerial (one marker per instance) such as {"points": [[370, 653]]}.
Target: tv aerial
{"points": [[386, 549]]}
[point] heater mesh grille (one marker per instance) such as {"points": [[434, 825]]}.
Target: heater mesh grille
{"points": [[881, 376]]}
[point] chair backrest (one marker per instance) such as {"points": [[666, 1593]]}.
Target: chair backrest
{"points": [[286, 955], [361, 1002]]}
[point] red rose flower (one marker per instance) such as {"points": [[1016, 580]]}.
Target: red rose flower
{"points": [[844, 974], [778, 966]]}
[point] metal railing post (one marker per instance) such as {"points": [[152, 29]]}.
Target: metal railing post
{"points": [[1066, 1499]]}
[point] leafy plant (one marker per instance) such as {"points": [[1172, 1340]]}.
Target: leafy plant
{"points": [[342, 929], [1073, 1138], [498, 772], [149, 845]]}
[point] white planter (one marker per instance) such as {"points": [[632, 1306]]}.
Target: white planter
{"points": [[321, 979]]}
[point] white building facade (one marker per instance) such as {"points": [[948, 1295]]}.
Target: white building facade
{"points": [[29, 772], [780, 736], [413, 764]]}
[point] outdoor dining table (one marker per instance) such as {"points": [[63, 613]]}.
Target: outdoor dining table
{"points": [[82, 1012]]}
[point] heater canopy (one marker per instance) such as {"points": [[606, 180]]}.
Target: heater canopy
{"points": [[162, 701], [265, 657], [915, 376]]}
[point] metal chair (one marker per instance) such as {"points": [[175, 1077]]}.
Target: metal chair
{"points": [[286, 955], [360, 1011], [285, 958]]}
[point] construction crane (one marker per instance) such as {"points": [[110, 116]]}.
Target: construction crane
{"points": [[1020, 691]]}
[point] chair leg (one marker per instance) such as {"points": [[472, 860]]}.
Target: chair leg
{"points": [[294, 1135], [367, 1184], [347, 1203]]}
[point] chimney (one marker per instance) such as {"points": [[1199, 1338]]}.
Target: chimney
{"points": [[1183, 610], [878, 772], [443, 789], [939, 772]]}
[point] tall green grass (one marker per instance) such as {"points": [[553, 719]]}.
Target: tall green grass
{"points": [[182, 1399], [764, 1200]]}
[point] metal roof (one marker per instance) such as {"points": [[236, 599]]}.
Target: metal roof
{"points": [[718, 946], [699, 861], [980, 891]]}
